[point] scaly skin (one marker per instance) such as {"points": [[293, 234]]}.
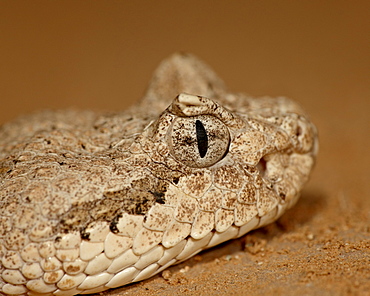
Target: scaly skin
{"points": [[92, 201]]}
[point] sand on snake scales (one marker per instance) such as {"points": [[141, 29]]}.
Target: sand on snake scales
{"points": [[92, 201]]}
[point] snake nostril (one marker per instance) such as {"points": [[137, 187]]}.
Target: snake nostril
{"points": [[261, 166], [299, 131]]}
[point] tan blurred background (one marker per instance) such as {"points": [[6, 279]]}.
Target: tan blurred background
{"points": [[100, 55]]}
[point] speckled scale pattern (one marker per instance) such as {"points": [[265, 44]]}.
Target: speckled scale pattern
{"points": [[92, 201]]}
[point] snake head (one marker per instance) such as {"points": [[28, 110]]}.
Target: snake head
{"points": [[103, 200]]}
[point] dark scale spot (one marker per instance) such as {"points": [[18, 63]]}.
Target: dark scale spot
{"points": [[202, 138], [159, 197], [84, 235], [176, 180], [113, 224]]}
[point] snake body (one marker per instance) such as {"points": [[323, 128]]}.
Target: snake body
{"points": [[92, 201]]}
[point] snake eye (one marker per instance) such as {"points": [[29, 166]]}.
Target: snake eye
{"points": [[198, 141]]}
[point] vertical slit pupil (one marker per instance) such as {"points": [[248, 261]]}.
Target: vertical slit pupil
{"points": [[202, 138]]}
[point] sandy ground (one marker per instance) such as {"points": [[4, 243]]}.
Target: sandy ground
{"points": [[100, 54]]}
